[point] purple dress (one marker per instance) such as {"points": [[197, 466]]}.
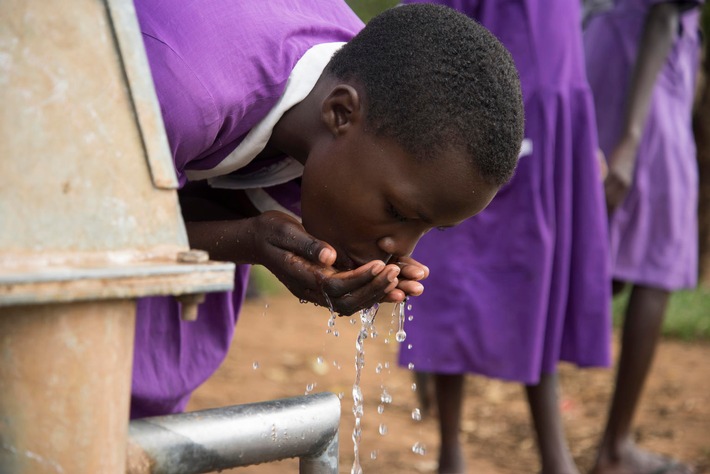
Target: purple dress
{"points": [[525, 283], [654, 236], [219, 67]]}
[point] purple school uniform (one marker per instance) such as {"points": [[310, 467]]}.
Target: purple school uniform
{"points": [[219, 67], [654, 232], [525, 283]]}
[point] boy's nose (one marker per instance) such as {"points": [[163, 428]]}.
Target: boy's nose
{"points": [[400, 245]]}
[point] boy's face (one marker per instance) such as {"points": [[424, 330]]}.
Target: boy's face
{"points": [[369, 199]]}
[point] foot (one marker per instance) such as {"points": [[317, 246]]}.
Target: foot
{"points": [[633, 460]]}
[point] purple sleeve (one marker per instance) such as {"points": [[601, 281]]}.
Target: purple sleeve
{"points": [[189, 113]]}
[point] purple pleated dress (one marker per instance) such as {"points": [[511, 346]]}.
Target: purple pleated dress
{"points": [[219, 67], [525, 283], [654, 236]]}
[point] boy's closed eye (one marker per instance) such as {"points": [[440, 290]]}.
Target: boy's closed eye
{"points": [[394, 213]]}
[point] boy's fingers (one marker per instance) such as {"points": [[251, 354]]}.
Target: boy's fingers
{"points": [[310, 248], [344, 283], [411, 269], [411, 287], [361, 290]]}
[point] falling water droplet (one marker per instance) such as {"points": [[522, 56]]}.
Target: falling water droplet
{"points": [[410, 366], [410, 317], [367, 318], [383, 429], [409, 346], [255, 365], [416, 415], [414, 387], [419, 448], [373, 455], [380, 409], [401, 335]]}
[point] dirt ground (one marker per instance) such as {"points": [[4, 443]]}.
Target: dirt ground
{"points": [[281, 349]]}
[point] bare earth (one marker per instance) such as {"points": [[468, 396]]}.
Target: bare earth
{"points": [[276, 354]]}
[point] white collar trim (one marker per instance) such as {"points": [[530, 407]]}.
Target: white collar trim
{"points": [[300, 82]]}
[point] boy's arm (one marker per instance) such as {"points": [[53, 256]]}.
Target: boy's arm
{"points": [[656, 41], [300, 261]]}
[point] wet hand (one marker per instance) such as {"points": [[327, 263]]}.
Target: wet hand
{"points": [[620, 175], [304, 264], [411, 273]]}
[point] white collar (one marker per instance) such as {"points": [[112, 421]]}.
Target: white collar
{"points": [[300, 82]]}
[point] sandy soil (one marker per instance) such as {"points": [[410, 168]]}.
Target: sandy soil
{"points": [[278, 350]]}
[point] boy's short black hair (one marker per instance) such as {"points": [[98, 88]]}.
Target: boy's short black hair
{"points": [[436, 79]]}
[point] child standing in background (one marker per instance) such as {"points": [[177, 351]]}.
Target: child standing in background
{"points": [[529, 286], [281, 108], [642, 57]]}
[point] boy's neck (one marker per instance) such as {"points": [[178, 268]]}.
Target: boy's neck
{"points": [[297, 130]]}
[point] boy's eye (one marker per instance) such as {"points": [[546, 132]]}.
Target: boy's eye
{"points": [[395, 214]]}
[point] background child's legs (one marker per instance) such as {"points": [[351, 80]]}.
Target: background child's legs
{"points": [[449, 397], [555, 457], [642, 326]]}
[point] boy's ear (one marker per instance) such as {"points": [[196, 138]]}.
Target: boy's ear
{"points": [[341, 109]]}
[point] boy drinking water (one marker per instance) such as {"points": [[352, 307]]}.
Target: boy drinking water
{"points": [[373, 135]]}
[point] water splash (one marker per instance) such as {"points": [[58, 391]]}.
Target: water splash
{"points": [[419, 449], [399, 310], [333, 316], [385, 397], [367, 319]]}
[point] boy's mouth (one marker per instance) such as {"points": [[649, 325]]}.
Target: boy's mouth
{"points": [[347, 262]]}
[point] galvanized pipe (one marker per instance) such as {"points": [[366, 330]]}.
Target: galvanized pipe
{"points": [[210, 440]]}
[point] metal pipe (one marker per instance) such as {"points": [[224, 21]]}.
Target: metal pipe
{"points": [[241, 435]]}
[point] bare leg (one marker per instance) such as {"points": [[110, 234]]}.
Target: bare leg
{"points": [[618, 453], [425, 391], [555, 457], [449, 396]]}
